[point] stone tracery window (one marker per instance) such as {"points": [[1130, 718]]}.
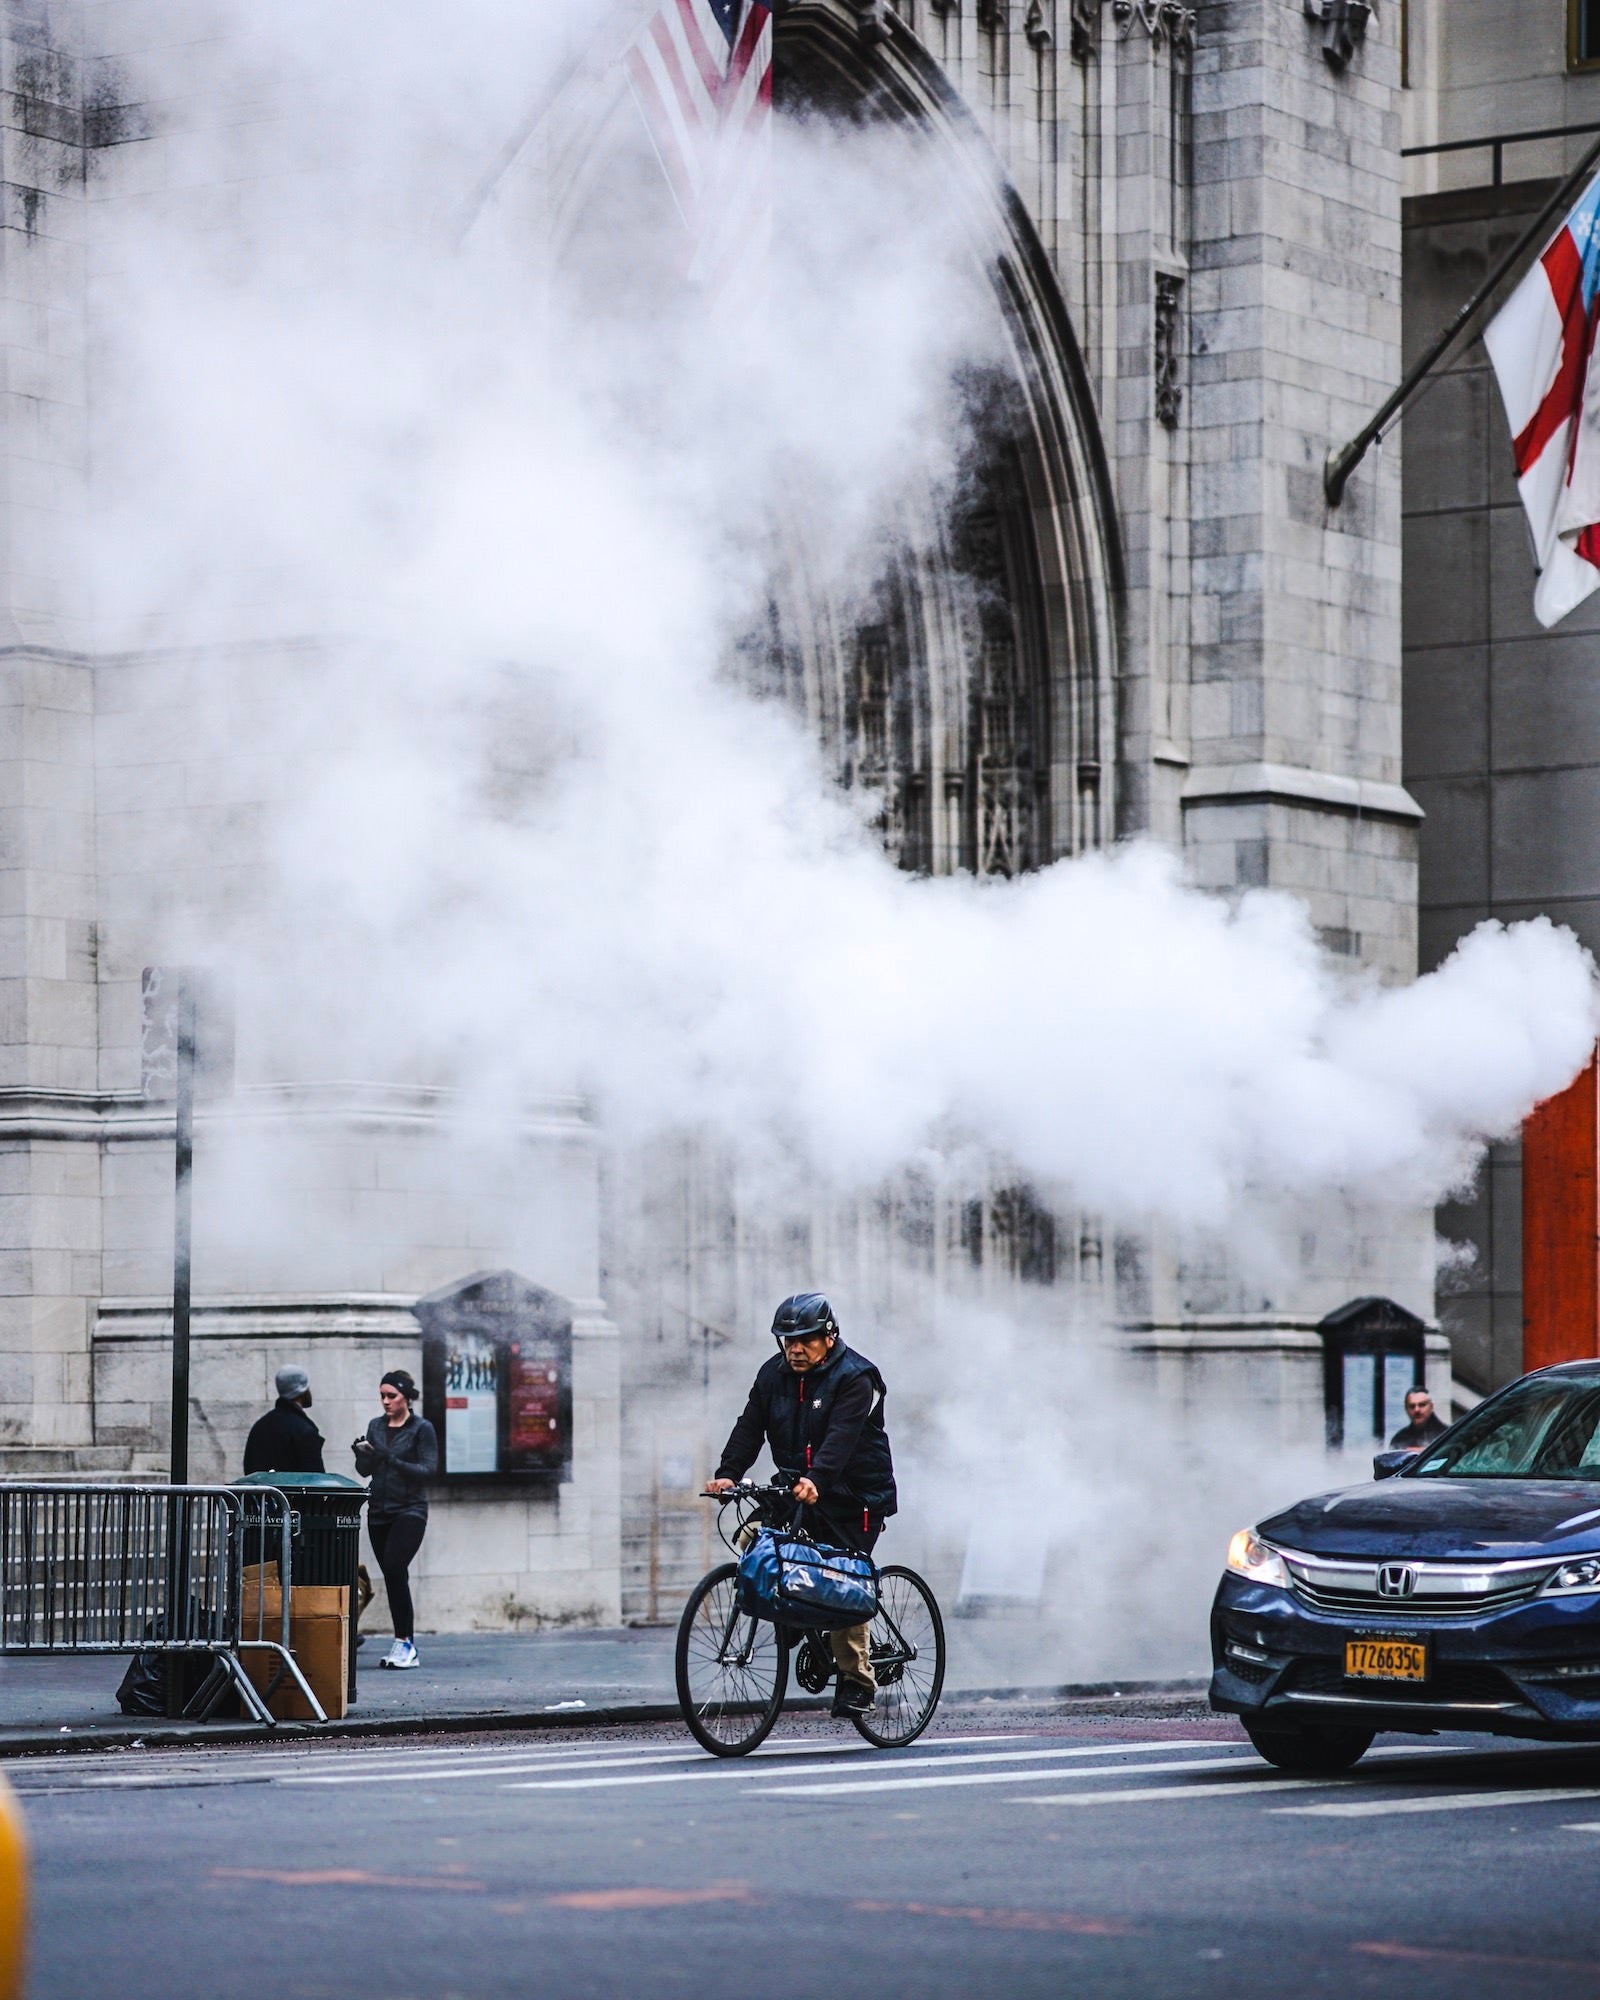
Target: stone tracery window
{"points": [[936, 706], [937, 703]]}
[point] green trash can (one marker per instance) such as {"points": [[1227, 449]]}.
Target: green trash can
{"points": [[326, 1546]]}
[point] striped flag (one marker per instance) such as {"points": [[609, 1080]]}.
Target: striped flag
{"points": [[701, 72], [1542, 345]]}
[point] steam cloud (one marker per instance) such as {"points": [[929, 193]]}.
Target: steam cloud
{"points": [[516, 501], [531, 800]]}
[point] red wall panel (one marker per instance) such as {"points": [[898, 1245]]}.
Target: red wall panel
{"points": [[1561, 1225]]}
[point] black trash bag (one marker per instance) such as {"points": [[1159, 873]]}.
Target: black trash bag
{"points": [[144, 1687]]}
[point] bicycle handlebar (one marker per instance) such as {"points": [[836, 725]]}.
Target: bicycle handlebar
{"points": [[747, 1489]]}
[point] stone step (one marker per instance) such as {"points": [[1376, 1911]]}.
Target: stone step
{"points": [[82, 1461]]}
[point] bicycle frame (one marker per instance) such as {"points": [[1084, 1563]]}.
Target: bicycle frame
{"points": [[743, 1656], [731, 1680], [907, 1652], [773, 1507]]}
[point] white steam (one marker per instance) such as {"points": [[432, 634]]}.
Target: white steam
{"points": [[515, 499], [604, 863]]}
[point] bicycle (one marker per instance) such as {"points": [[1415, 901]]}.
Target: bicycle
{"points": [[733, 1669]]}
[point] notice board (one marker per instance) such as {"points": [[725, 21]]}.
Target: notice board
{"points": [[497, 1378]]}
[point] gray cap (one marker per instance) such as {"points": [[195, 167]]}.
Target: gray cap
{"points": [[292, 1382]]}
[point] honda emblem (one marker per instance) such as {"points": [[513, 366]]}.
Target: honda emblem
{"points": [[1396, 1580]]}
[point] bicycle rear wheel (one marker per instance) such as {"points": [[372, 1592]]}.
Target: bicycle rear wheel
{"points": [[732, 1669], [907, 1642]]}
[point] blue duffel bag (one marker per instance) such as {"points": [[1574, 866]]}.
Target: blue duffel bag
{"points": [[805, 1585]]}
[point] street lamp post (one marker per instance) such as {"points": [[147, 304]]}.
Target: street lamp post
{"points": [[182, 1236]]}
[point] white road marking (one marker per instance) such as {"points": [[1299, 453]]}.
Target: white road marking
{"points": [[155, 1771], [616, 1761], [957, 1776], [293, 1764], [438, 1773], [1136, 1794], [728, 1771], [1445, 1802], [960, 1776], [130, 1778]]}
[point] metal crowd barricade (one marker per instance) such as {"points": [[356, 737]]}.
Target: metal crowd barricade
{"points": [[153, 1569]]}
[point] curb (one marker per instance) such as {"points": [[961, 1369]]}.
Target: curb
{"points": [[157, 1734]]}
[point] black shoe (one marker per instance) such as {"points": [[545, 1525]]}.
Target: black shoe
{"points": [[853, 1697]]}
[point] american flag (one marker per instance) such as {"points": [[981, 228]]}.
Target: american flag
{"points": [[701, 71]]}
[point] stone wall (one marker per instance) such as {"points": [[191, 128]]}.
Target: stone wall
{"points": [[1220, 209], [1502, 718]]}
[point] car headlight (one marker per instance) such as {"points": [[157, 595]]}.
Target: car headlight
{"points": [[1584, 1574], [1249, 1556]]}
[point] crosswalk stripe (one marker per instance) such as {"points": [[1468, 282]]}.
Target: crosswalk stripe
{"points": [[440, 1773], [960, 1776], [618, 1761], [887, 1781], [891, 1783], [289, 1764], [592, 1755], [428, 1775], [1136, 1794], [1445, 1802], [266, 1767]]}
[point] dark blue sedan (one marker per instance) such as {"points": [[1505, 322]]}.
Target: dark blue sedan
{"points": [[1460, 1592]]}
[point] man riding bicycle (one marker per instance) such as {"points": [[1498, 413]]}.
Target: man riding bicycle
{"points": [[818, 1405]]}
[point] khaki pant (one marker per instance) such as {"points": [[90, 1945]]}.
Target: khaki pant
{"points": [[851, 1652]]}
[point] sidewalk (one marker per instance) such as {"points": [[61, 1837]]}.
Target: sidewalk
{"points": [[508, 1680]]}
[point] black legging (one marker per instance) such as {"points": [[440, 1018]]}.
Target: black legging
{"points": [[395, 1542]]}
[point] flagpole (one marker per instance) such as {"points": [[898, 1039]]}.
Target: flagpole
{"points": [[1343, 462]]}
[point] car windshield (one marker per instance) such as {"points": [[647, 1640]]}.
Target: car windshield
{"points": [[1544, 1428]]}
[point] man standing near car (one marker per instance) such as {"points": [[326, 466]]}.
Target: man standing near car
{"points": [[1423, 1424], [819, 1406]]}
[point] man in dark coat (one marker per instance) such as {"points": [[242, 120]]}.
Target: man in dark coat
{"points": [[818, 1405], [285, 1439], [1423, 1424]]}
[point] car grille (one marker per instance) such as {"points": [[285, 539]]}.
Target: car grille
{"points": [[1451, 1681], [1465, 1604]]}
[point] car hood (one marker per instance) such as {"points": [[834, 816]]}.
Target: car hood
{"points": [[1497, 1518]]}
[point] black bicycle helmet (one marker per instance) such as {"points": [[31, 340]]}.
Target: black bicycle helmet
{"points": [[804, 1313]]}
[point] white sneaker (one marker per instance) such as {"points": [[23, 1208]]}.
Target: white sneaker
{"points": [[401, 1654]]}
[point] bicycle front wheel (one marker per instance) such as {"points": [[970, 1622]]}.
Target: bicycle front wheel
{"points": [[732, 1669], [907, 1644]]}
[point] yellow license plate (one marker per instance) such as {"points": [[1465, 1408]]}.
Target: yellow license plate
{"points": [[1385, 1660]]}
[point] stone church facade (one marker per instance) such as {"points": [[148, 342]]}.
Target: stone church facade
{"points": [[1191, 218], [1502, 719]]}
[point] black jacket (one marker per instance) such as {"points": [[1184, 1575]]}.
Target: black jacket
{"points": [[400, 1463], [1414, 1436], [284, 1440], [827, 1423]]}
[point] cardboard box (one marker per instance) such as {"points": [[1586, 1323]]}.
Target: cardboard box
{"points": [[319, 1638], [306, 1600]]}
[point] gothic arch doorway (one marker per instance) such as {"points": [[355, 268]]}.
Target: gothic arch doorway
{"points": [[977, 696], [971, 695]]}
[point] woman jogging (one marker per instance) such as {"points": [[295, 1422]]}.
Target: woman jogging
{"points": [[399, 1454]]}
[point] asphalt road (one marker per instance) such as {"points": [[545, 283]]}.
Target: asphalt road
{"points": [[1005, 1854]]}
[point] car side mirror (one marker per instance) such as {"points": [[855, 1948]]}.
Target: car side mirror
{"points": [[1385, 1464]]}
